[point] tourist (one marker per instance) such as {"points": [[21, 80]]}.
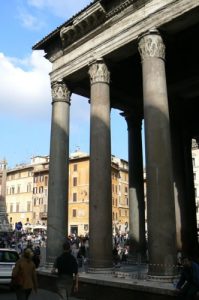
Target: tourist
{"points": [[66, 265], [188, 284], [25, 271]]}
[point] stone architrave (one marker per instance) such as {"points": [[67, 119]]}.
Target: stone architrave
{"points": [[159, 174], [100, 205], [58, 170]]}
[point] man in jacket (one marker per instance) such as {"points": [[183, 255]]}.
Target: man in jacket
{"points": [[188, 284], [67, 267]]}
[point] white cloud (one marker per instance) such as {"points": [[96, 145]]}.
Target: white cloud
{"points": [[29, 21], [25, 90], [25, 93]]}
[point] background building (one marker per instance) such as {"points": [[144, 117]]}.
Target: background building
{"points": [[27, 193], [24, 192]]}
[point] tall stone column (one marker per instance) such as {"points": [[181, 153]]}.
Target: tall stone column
{"points": [[58, 171], [100, 205], [160, 194], [136, 185]]}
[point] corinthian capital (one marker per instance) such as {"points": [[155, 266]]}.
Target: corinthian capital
{"points": [[99, 72], [60, 92], [151, 45]]}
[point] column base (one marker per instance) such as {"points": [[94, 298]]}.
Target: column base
{"points": [[162, 278], [46, 268]]}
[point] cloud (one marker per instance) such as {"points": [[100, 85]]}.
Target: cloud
{"points": [[29, 21], [25, 90], [25, 86]]}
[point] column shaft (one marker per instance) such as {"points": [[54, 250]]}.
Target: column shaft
{"points": [[160, 195], [58, 171], [100, 206], [136, 186]]}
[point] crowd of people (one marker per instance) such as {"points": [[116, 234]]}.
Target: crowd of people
{"points": [[75, 255]]}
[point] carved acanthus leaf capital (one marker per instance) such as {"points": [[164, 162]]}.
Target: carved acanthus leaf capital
{"points": [[151, 45], [99, 72], [60, 92]]}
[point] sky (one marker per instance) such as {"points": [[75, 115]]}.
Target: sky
{"points": [[25, 95]]}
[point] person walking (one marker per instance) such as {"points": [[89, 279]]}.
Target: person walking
{"points": [[24, 271], [67, 267], [188, 284]]}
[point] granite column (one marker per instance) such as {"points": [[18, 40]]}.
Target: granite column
{"points": [[136, 185], [160, 193], [58, 171], [100, 206]]}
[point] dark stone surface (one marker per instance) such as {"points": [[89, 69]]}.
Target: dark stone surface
{"points": [[97, 291]]}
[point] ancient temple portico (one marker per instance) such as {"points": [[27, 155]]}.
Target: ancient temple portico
{"points": [[141, 57]]}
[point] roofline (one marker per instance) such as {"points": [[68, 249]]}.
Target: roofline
{"points": [[39, 45]]}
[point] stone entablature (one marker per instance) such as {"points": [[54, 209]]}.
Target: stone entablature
{"points": [[104, 39], [82, 24]]}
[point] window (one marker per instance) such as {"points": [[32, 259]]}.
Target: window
{"points": [[74, 181], [126, 189], [35, 201], [35, 190], [46, 180], [41, 189], [41, 178], [74, 197], [45, 208], [18, 189], [11, 207], [28, 206], [10, 220], [12, 190], [86, 227], [74, 213], [75, 167], [17, 207]]}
